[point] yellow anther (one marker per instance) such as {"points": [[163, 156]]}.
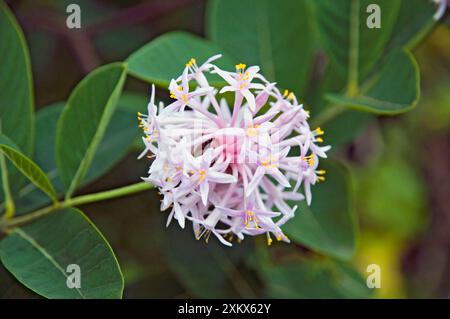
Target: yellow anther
{"points": [[270, 162], [319, 140], [240, 66], [180, 88], [321, 172], [269, 241], [243, 86], [191, 62], [279, 237], [286, 93], [319, 131], [291, 96], [201, 176], [252, 131], [267, 163], [251, 216], [320, 178], [184, 98]]}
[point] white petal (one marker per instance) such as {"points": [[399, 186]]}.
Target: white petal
{"points": [[226, 76], [218, 177], [204, 190], [307, 188], [259, 174], [227, 88], [179, 214], [276, 173], [250, 99]]}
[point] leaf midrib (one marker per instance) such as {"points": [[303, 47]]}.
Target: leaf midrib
{"points": [[46, 254]]}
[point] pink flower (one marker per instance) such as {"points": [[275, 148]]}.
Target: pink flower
{"points": [[230, 172]]}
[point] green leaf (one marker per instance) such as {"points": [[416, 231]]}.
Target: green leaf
{"points": [[313, 278], [329, 224], [27, 167], [84, 120], [276, 35], [337, 132], [396, 88], [415, 20], [116, 143], [16, 84], [164, 58], [220, 279], [353, 47], [38, 255]]}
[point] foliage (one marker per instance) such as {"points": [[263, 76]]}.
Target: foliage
{"points": [[78, 141]]}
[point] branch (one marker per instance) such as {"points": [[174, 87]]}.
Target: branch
{"points": [[80, 200]]}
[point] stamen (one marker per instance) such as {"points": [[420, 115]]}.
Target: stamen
{"points": [[201, 177], [319, 131], [191, 62]]}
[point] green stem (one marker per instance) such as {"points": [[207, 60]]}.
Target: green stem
{"points": [[9, 202], [80, 200]]}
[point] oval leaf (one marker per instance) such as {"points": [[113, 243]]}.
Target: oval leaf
{"points": [[27, 167], [16, 84], [84, 120], [276, 35], [395, 90], [116, 143], [163, 59], [352, 46], [39, 254], [329, 224], [415, 20]]}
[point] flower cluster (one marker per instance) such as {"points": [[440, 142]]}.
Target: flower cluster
{"points": [[231, 170]]}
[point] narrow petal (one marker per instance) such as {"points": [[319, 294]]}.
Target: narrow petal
{"points": [[226, 76], [204, 190], [218, 177], [179, 214], [307, 187], [250, 99], [276, 173], [259, 174]]}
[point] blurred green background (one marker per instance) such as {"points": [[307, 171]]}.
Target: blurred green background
{"points": [[400, 170]]}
